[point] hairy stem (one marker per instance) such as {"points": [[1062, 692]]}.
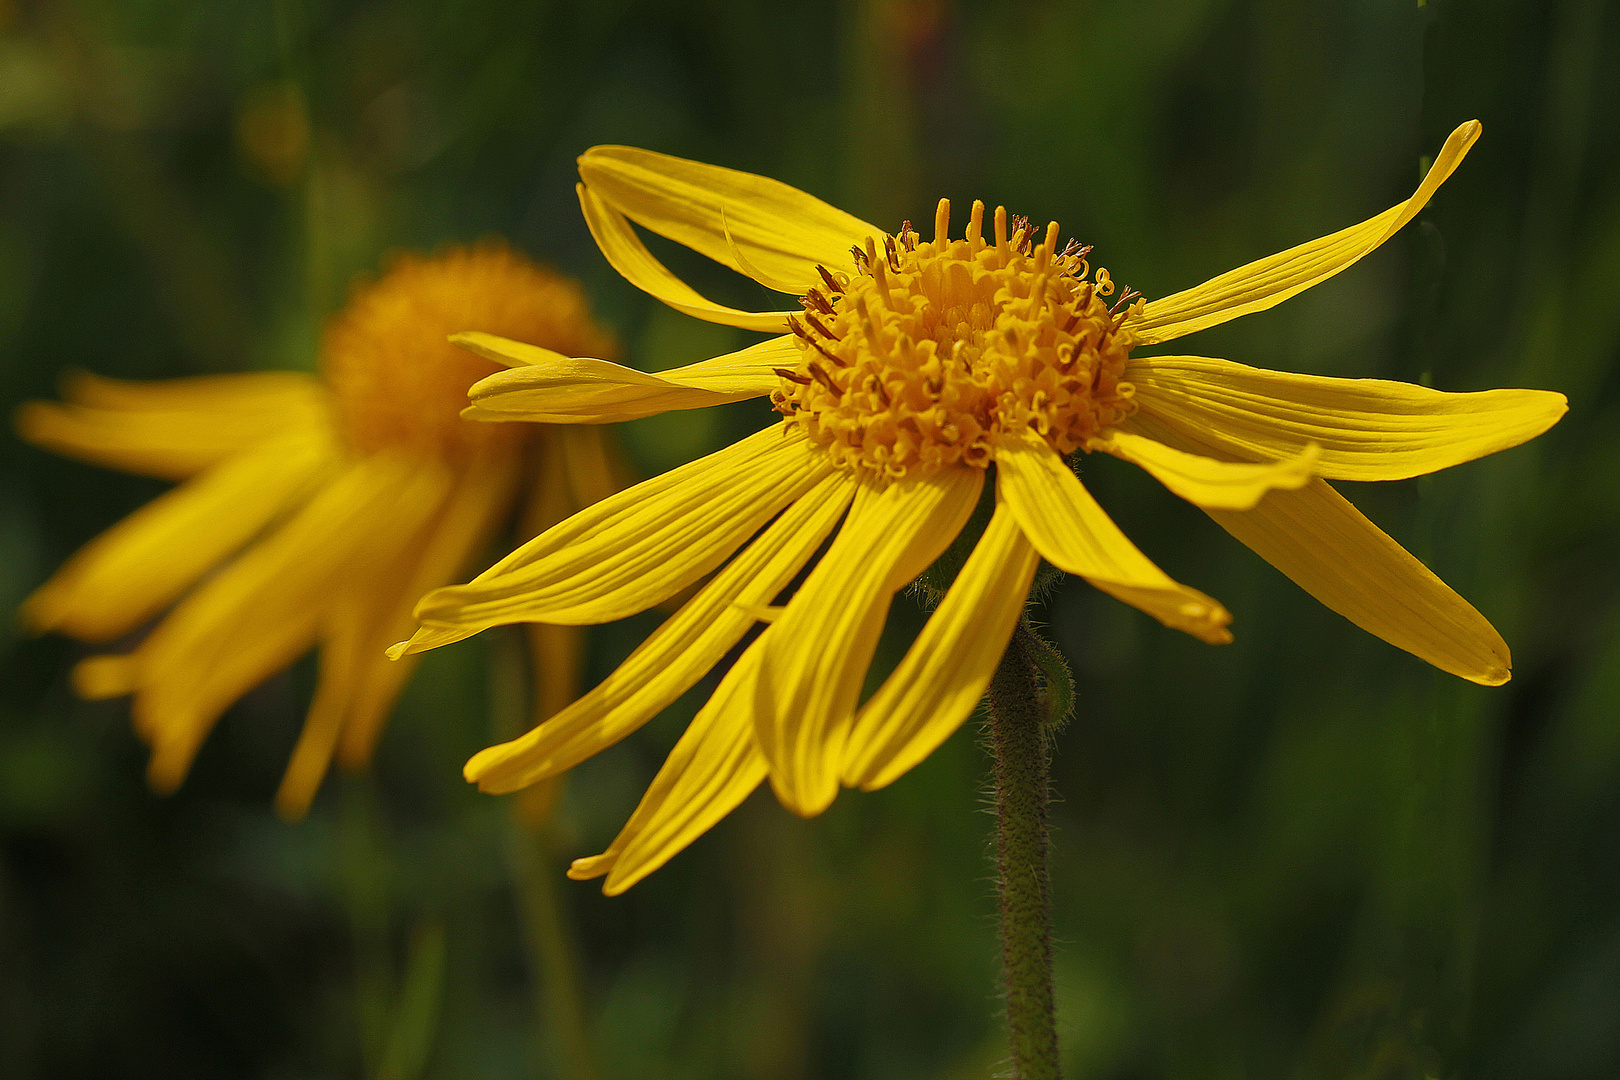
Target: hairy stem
{"points": [[1018, 716]]}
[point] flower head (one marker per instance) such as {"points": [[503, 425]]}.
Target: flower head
{"points": [[310, 509], [915, 371]]}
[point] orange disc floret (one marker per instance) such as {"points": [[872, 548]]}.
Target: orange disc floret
{"points": [[400, 385], [933, 350]]}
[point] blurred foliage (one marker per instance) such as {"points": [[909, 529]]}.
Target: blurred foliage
{"points": [[1303, 855]]}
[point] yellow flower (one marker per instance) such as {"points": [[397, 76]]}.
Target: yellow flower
{"points": [[914, 366], [312, 509]]}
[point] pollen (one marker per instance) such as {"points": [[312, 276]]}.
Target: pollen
{"points": [[399, 385], [932, 351]]}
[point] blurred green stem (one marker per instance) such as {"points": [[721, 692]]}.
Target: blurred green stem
{"points": [[556, 968], [530, 864], [1019, 713], [365, 887]]}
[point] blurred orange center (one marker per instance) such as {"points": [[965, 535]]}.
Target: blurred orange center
{"points": [[399, 385]]}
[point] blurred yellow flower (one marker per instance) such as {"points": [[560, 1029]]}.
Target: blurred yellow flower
{"points": [[914, 367], [314, 509]]}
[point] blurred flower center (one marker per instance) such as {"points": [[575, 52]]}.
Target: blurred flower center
{"points": [[932, 350], [399, 385]]}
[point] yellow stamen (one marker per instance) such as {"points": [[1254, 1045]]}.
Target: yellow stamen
{"points": [[938, 349]]}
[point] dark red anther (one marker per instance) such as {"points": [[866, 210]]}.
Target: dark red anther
{"points": [[1124, 298], [815, 322], [832, 283], [894, 256], [814, 299], [825, 379], [792, 376], [798, 328], [817, 346], [860, 256]]}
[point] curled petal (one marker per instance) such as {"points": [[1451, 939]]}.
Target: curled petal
{"points": [[1269, 281], [782, 232]]}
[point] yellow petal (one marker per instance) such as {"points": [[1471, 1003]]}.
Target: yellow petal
{"points": [[820, 648], [478, 505], [713, 768], [139, 566], [1368, 429], [635, 549], [172, 429], [630, 257], [592, 466], [946, 671], [557, 653], [1073, 533], [551, 388], [676, 655], [365, 613], [782, 232], [1205, 481], [1270, 281], [257, 614], [1334, 553]]}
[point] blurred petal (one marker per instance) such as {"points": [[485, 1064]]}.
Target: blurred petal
{"points": [[1072, 532], [713, 768], [677, 654], [823, 642], [257, 614], [1334, 553], [630, 257], [1368, 429], [946, 671], [175, 428], [1270, 281], [1205, 481], [551, 388], [476, 508], [782, 232], [356, 681], [139, 566]]}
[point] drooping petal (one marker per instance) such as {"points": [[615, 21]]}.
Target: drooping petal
{"points": [[260, 612], [139, 566], [676, 655], [630, 257], [362, 618], [547, 387], [1206, 481], [172, 429], [948, 667], [1269, 281], [1330, 550], [780, 230], [1073, 533], [592, 469], [633, 550], [475, 509], [557, 653], [713, 768], [823, 642], [1368, 429]]}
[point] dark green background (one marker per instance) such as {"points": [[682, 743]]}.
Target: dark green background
{"points": [[1302, 855]]}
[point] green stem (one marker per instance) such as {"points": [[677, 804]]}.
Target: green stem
{"points": [[558, 996], [1018, 715]]}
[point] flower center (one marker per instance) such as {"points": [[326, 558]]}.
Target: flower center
{"points": [[934, 349], [399, 385]]}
